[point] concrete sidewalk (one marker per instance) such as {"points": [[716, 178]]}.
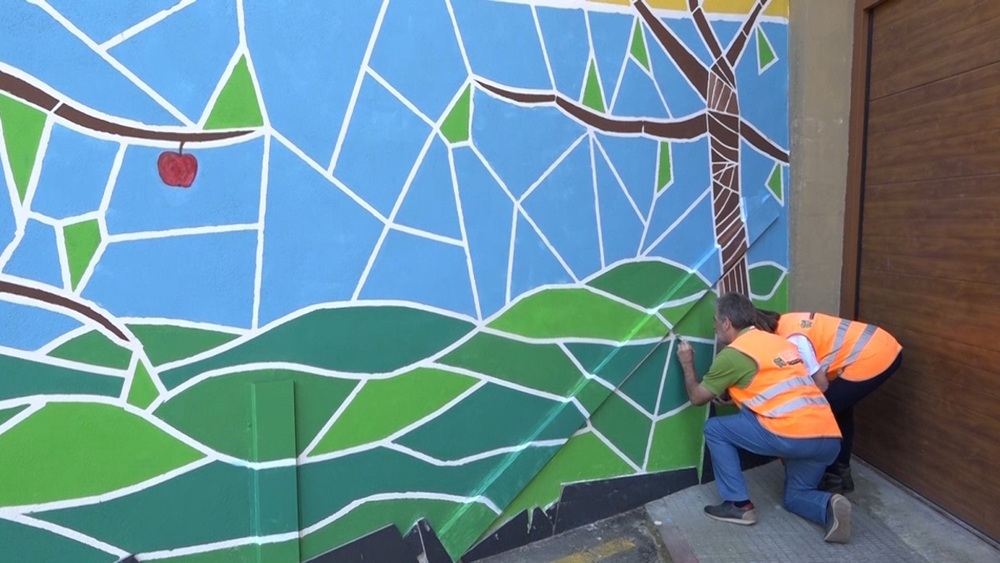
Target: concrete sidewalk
{"points": [[887, 524]]}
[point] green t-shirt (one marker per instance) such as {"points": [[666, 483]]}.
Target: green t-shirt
{"points": [[729, 368]]}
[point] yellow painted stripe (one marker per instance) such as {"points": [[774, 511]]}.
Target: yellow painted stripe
{"points": [[599, 552], [777, 8]]}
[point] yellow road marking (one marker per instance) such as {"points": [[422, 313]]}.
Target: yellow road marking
{"points": [[599, 552]]}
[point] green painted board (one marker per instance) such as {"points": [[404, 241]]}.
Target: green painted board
{"points": [[349, 339], [674, 393], [143, 391], [649, 283], [627, 428], [698, 318], [638, 46], [96, 349], [576, 313], [22, 133], [611, 363], [456, 127], [24, 378], [678, 441], [218, 411], [384, 406], [237, 105], [643, 386], [82, 242], [282, 552], [166, 343], [544, 367], [764, 278], [593, 97], [493, 417], [18, 540], [72, 450]]}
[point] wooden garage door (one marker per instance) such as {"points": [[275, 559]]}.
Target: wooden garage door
{"points": [[929, 268]]}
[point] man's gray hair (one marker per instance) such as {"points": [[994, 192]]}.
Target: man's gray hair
{"points": [[738, 309]]}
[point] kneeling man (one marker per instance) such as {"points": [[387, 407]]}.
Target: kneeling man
{"points": [[782, 414]]}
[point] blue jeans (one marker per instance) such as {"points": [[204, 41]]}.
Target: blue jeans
{"points": [[805, 461]]}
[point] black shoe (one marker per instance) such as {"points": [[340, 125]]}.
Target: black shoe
{"points": [[838, 480], [729, 512], [838, 520]]}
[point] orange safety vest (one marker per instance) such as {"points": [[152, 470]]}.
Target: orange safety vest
{"points": [[861, 350], [781, 393]]}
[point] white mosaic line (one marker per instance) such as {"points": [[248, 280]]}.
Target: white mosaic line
{"points": [[611, 446], [583, 371], [652, 78], [183, 323], [92, 267], [656, 409], [591, 58], [746, 124], [8, 174], [505, 383], [465, 235], [328, 176], [777, 284], [44, 219], [427, 235], [307, 458], [144, 25], [182, 232], [129, 378], [223, 79], [117, 65], [621, 72], [458, 37], [750, 33], [67, 533], [573, 340], [398, 496], [401, 98], [597, 203], [545, 51], [762, 69], [218, 546], [621, 183], [510, 254], [348, 401], [258, 274], [517, 205], [17, 419], [674, 411], [476, 457], [555, 164], [392, 214], [105, 497], [677, 221], [349, 112], [63, 259], [36, 170], [245, 47], [62, 339]]}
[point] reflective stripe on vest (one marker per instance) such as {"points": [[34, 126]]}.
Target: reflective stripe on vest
{"points": [[829, 336], [781, 394]]}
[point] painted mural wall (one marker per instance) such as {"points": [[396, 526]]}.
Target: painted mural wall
{"points": [[276, 274]]}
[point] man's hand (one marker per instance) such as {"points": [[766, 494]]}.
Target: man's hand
{"points": [[685, 353], [723, 400]]}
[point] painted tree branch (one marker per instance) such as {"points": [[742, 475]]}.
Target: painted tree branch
{"points": [[739, 43], [63, 302], [707, 34], [38, 97], [688, 64], [682, 129], [760, 142]]}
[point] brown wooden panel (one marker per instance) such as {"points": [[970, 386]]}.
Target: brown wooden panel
{"points": [[966, 266], [915, 42], [957, 188], [916, 244], [945, 129], [945, 228]]}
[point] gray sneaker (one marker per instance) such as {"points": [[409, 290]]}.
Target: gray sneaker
{"points": [[729, 512], [838, 520]]}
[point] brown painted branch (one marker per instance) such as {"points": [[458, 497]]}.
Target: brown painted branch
{"points": [[63, 302], [38, 97], [683, 129], [689, 65], [707, 35], [757, 139], [736, 49]]}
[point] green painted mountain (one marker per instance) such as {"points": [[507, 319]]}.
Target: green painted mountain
{"points": [[358, 339], [218, 411], [50, 444], [25, 378], [649, 283]]}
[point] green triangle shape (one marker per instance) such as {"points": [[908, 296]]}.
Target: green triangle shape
{"points": [[82, 240], [638, 47], [765, 54], [7, 414], [664, 171], [237, 105], [22, 132], [143, 391], [592, 95], [455, 127], [776, 183]]}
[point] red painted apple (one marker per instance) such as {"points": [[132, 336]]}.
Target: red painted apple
{"points": [[177, 169]]}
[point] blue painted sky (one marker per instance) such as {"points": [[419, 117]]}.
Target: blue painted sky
{"points": [[469, 237]]}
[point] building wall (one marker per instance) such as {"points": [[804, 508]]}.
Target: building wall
{"points": [[276, 275], [820, 52]]}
